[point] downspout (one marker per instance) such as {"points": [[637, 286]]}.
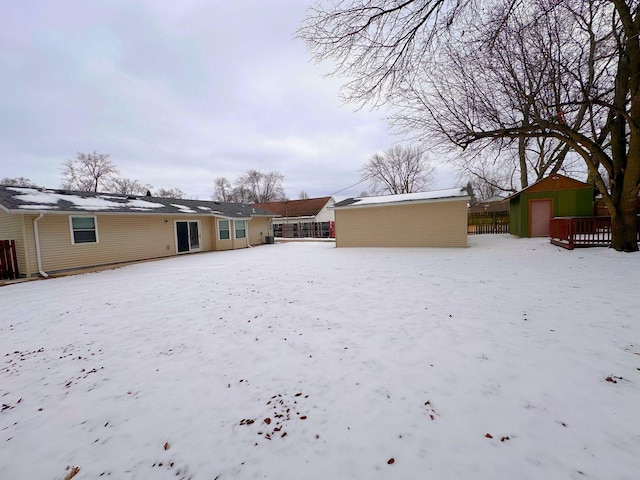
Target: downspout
{"points": [[38, 254]]}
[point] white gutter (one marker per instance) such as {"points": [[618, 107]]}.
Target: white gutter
{"points": [[38, 254]]}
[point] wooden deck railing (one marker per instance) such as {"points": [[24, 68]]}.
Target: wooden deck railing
{"points": [[572, 232], [8, 260]]}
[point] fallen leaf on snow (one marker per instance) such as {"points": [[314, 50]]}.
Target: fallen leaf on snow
{"points": [[72, 473]]}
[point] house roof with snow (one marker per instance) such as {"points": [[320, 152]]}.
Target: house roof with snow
{"points": [[38, 200], [404, 198], [309, 207]]}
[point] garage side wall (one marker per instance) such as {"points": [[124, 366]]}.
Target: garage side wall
{"points": [[433, 224]]}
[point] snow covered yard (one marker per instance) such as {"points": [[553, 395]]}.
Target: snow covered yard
{"points": [[508, 359]]}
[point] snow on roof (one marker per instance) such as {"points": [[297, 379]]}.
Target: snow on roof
{"points": [[49, 199], [16, 199], [404, 197], [183, 208]]}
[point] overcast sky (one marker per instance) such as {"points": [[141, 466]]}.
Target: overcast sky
{"points": [[179, 93]]}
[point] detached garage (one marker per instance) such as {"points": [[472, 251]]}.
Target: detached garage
{"points": [[427, 219]]}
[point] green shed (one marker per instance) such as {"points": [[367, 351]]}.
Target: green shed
{"points": [[555, 196]]}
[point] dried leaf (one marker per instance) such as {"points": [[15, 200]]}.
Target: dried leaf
{"points": [[390, 461], [488, 435], [72, 473], [166, 445], [267, 420]]}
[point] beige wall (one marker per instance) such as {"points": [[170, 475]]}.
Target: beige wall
{"points": [[121, 238], [430, 224], [11, 228], [258, 229]]}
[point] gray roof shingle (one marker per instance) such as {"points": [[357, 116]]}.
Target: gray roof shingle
{"points": [[24, 200]]}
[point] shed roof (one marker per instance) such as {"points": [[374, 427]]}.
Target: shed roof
{"points": [[553, 183], [36, 200], [404, 198], [309, 207]]}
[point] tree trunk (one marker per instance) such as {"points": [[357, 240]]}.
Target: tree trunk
{"points": [[624, 222], [624, 230], [522, 157]]}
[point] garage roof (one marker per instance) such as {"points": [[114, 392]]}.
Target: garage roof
{"points": [[403, 198]]}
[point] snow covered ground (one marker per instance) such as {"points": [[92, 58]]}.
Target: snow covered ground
{"points": [[510, 359]]}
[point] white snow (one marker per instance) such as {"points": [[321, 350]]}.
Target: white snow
{"points": [[142, 204], [410, 197], [183, 208], [168, 369]]}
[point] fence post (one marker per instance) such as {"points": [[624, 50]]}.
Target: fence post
{"points": [[8, 260], [16, 273]]}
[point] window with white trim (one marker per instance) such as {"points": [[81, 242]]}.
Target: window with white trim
{"points": [[83, 229], [224, 231], [241, 228]]}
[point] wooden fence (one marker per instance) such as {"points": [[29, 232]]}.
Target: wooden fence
{"points": [[487, 222], [8, 260]]}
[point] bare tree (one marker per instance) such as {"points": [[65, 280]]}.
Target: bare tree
{"points": [[488, 77], [261, 187], [17, 182], [222, 190], [303, 195], [388, 49], [376, 43], [88, 172], [398, 170], [170, 193], [251, 187], [126, 186]]}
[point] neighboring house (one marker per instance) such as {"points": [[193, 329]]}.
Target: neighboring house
{"points": [[491, 204], [59, 231], [531, 209], [311, 217], [427, 219]]}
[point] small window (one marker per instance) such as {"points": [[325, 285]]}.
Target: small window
{"points": [[84, 230], [241, 228], [224, 232]]}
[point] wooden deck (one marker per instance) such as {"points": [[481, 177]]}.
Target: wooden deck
{"points": [[579, 232]]}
